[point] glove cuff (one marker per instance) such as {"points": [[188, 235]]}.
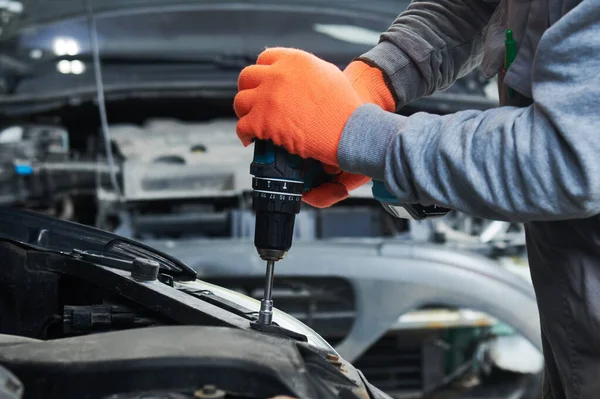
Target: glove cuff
{"points": [[371, 84]]}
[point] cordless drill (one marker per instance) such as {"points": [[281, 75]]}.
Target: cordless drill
{"points": [[278, 183]]}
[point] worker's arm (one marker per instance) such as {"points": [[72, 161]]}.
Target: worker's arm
{"points": [[536, 163], [430, 45], [427, 48]]}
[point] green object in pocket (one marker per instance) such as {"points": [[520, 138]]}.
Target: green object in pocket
{"points": [[510, 53]]}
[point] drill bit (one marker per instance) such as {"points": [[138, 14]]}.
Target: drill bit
{"points": [[265, 315]]}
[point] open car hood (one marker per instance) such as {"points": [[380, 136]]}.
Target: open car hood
{"points": [[103, 250], [58, 235]]}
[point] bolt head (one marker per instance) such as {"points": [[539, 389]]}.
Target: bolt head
{"points": [[144, 269]]}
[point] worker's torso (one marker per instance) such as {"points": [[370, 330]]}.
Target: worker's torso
{"points": [[528, 19], [561, 244]]}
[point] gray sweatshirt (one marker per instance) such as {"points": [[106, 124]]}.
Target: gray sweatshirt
{"points": [[540, 162]]}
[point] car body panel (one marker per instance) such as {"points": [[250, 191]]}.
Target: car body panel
{"points": [[279, 317], [389, 278]]}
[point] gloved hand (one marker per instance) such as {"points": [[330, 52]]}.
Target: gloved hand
{"points": [[370, 85], [302, 103], [296, 100]]}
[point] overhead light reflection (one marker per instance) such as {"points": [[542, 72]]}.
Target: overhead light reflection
{"points": [[65, 46], [349, 33], [77, 67], [64, 66], [74, 67]]}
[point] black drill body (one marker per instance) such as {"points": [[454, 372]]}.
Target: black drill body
{"points": [[278, 184]]}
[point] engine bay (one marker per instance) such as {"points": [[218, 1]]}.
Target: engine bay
{"points": [[113, 318], [176, 362], [178, 176]]}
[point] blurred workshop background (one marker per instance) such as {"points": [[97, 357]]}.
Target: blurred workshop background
{"points": [[418, 306]]}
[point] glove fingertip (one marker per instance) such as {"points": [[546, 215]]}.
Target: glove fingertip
{"points": [[246, 140], [273, 54], [325, 195], [242, 134], [332, 170]]}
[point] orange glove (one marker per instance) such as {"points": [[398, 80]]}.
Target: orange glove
{"points": [[329, 193], [370, 85], [296, 100]]}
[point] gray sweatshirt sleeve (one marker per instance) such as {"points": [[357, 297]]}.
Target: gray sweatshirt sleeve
{"points": [[430, 45], [539, 163]]}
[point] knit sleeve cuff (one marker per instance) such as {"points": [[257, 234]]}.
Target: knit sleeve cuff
{"points": [[366, 139]]}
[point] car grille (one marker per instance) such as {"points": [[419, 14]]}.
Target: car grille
{"points": [[404, 364]]}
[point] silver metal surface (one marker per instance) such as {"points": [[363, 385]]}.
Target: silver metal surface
{"points": [[265, 315], [269, 279], [397, 211], [10, 386]]}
